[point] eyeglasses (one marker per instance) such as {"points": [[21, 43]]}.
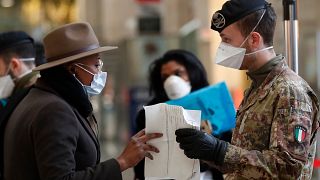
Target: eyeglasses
{"points": [[99, 65]]}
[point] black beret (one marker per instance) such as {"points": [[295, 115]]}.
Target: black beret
{"points": [[13, 38], [233, 10]]}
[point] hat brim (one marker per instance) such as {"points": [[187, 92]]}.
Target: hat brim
{"points": [[72, 58]]}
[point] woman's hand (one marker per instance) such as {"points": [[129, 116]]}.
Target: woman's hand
{"points": [[137, 149]]}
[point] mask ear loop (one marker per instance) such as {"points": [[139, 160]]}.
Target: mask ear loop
{"points": [[74, 73], [270, 47], [253, 28], [26, 59], [85, 69]]}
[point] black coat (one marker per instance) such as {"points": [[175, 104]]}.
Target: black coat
{"points": [[47, 138]]}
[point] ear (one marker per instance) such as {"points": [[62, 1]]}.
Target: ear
{"points": [[71, 68], [16, 66], [255, 40]]}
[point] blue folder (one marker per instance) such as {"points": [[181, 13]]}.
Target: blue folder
{"points": [[215, 103]]}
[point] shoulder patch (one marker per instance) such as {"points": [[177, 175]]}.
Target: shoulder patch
{"points": [[300, 133]]}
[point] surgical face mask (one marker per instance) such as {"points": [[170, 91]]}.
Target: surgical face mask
{"points": [[232, 57], [97, 84], [175, 87], [6, 86]]}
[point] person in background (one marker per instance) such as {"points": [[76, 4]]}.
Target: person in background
{"points": [[17, 58], [52, 133], [174, 75], [278, 119]]}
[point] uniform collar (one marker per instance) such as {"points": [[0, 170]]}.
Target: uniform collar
{"points": [[252, 96], [261, 74]]}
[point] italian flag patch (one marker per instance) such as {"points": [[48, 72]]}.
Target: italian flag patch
{"points": [[300, 134]]}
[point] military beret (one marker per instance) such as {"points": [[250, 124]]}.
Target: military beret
{"points": [[233, 10], [13, 38]]}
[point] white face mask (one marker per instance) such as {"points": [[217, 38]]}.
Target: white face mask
{"points": [[229, 56], [97, 84], [6, 86], [232, 57], [176, 87]]}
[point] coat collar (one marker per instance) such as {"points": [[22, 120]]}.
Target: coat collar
{"points": [[67, 87], [43, 85]]}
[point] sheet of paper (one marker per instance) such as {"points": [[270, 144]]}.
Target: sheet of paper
{"points": [[171, 162], [215, 103]]}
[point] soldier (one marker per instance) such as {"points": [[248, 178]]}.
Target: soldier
{"points": [[274, 137]]}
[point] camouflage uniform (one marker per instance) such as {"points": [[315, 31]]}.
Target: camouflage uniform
{"points": [[264, 145]]}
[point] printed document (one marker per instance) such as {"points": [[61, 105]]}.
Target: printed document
{"points": [[171, 162]]}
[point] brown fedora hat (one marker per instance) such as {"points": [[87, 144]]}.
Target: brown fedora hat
{"points": [[70, 42]]}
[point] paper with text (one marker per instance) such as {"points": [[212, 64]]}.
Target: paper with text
{"points": [[171, 162]]}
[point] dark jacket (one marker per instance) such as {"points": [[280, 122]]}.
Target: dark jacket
{"points": [[48, 138], [5, 114]]}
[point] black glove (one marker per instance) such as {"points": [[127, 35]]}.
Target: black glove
{"points": [[200, 145]]}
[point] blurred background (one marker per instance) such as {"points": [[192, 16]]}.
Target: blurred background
{"points": [[143, 30]]}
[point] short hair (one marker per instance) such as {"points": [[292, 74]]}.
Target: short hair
{"points": [[25, 50], [265, 28], [39, 50], [196, 72]]}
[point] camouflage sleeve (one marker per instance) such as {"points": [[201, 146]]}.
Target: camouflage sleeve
{"points": [[292, 131]]}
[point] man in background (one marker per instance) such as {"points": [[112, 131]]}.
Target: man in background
{"points": [[17, 58]]}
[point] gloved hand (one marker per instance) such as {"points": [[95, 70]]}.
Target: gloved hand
{"points": [[200, 145]]}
